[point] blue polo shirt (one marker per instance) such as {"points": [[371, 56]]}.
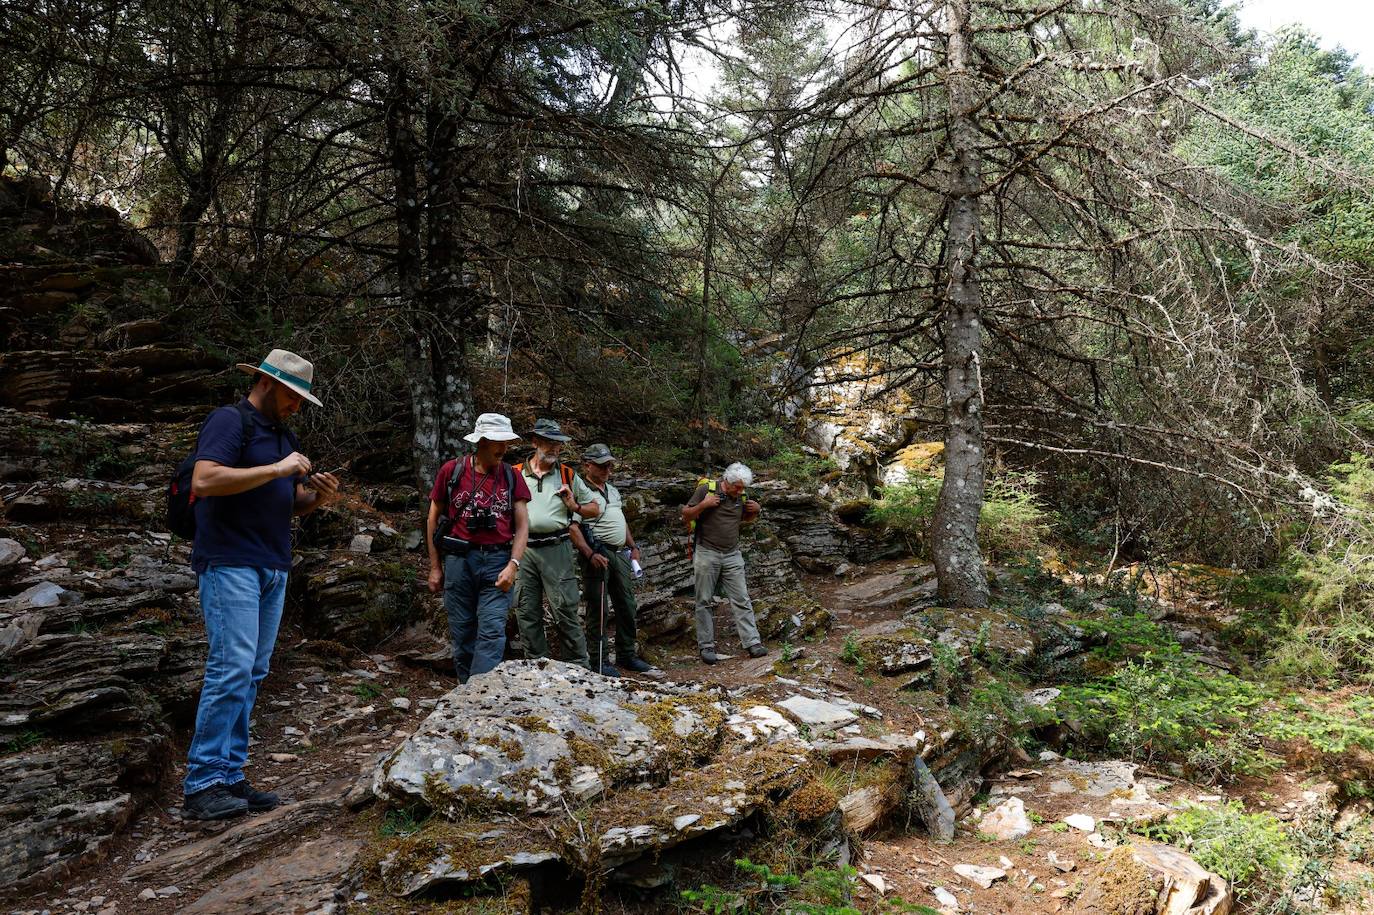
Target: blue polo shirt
{"points": [[251, 528]]}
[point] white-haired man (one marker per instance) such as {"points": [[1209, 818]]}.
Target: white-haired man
{"points": [[716, 512]]}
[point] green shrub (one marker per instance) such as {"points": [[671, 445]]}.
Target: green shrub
{"points": [[1247, 849], [1013, 524], [996, 712], [1160, 708], [1334, 571]]}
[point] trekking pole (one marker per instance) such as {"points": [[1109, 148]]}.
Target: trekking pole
{"points": [[601, 642]]}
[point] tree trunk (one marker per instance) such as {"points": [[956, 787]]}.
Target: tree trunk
{"points": [[442, 397], [958, 564]]}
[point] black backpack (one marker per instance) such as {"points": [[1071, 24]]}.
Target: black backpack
{"points": [[181, 502]]}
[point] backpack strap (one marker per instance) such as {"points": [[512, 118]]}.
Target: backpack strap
{"points": [[459, 468], [246, 436], [510, 486]]}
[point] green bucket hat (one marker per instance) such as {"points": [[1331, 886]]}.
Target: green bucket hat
{"points": [[547, 428], [598, 454]]}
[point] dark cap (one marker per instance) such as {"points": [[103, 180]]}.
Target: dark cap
{"points": [[547, 428], [598, 454]]}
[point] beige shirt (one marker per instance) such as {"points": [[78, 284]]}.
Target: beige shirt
{"points": [[610, 526]]}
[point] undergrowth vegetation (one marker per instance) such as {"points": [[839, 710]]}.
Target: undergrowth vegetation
{"points": [[817, 891], [1014, 522]]}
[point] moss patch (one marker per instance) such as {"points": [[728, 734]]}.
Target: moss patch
{"points": [[1119, 886]]}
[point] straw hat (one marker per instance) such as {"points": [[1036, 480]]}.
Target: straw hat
{"points": [[287, 368]]}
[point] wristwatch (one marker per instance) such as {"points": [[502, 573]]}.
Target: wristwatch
{"points": [[516, 561]]}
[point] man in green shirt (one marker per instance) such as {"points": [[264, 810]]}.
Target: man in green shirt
{"points": [[606, 568], [557, 495]]}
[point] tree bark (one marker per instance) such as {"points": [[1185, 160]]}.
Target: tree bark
{"points": [[958, 563]]}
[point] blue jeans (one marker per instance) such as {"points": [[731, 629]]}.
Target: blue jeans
{"points": [[477, 610], [242, 609]]}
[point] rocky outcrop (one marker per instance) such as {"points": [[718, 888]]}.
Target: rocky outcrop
{"points": [[1146, 878], [648, 766], [86, 700], [537, 733], [852, 417]]}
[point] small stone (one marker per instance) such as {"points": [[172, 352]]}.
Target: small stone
{"points": [[145, 895], [283, 757], [877, 882], [290, 731], [169, 891], [1081, 822], [981, 876], [400, 702], [687, 819], [1008, 821], [1040, 698], [946, 898], [362, 543], [1005, 862], [11, 551], [816, 713], [1063, 865]]}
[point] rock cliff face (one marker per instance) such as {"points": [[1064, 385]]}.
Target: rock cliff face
{"points": [[86, 324]]}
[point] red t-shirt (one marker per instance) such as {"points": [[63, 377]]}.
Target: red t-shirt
{"points": [[483, 490]]}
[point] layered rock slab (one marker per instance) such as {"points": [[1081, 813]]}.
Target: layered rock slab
{"points": [[531, 734], [507, 760]]}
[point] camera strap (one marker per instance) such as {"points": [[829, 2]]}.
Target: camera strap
{"points": [[453, 482]]}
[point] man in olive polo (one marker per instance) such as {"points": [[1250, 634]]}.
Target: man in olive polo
{"points": [[606, 571], [557, 495]]}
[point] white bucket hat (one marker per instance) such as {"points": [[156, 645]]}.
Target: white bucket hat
{"points": [[288, 368], [493, 426]]}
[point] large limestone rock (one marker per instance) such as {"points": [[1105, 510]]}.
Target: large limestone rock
{"points": [[503, 760], [532, 734]]}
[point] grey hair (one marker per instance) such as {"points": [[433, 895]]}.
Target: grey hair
{"points": [[738, 473]]}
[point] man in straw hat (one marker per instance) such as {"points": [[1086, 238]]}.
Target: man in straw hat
{"points": [[249, 478], [478, 526]]}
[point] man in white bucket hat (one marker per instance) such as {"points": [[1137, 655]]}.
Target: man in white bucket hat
{"points": [[478, 526], [249, 478]]}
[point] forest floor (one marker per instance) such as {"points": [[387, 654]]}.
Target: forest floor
{"points": [[322, 725]]}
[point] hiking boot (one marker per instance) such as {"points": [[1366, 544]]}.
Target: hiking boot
{"points": [[709, 656], [757, 650], [608, 669], [257, 800], [213, 803], [635, 664]]}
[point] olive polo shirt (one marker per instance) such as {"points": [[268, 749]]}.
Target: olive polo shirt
{"points": [[718, 528], [548, 514]]}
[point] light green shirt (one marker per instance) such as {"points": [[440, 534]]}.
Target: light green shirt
{"points": [[548, 514], [609, 526]]}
